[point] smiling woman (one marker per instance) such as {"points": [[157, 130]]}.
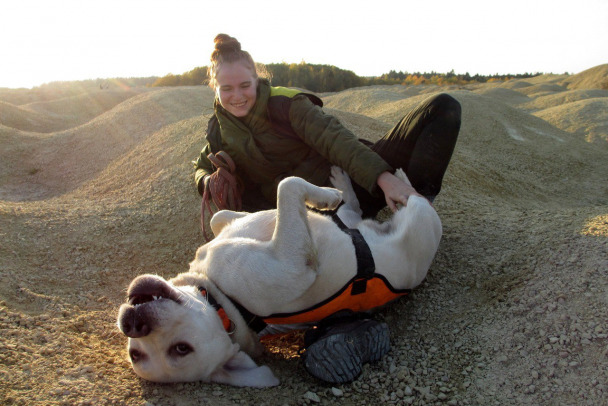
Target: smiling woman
{"points": [[237, 92], [273, 132], [261, 134], [233, 76]]}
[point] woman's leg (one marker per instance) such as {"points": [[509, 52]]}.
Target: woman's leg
{"points": [[421, 144]]}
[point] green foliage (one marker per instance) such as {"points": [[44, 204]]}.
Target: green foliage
{"points": [[316, 78], [328, 78], [440, 79], [196, 77]]}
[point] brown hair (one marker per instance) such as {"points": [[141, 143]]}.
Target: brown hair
{"points": [[228, 50]]}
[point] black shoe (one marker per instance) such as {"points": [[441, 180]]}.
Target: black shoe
{"points": [[338, 351]]}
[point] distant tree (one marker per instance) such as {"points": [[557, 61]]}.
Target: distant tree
{"points": [[329, 78]]}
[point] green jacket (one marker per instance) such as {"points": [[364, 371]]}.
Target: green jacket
{"points": [[286, 133]]}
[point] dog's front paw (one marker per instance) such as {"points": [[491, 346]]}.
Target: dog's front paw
{"points": [[401, 175], [339, 179]]}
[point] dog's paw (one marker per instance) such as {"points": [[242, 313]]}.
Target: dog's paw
{"points": [[401, 175], [326, 198], [339, 179]]}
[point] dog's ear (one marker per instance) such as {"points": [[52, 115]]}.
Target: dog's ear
{"points": [[240, 370]]}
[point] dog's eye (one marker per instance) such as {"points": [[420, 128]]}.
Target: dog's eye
{"points": [[181, 349], [135, 355]]}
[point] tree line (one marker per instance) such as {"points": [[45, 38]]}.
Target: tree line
{"points": [[328, 78]]}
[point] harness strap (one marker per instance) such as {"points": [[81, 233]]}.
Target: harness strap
{"points": [[226, 322], [366, 267], [254, 322]]}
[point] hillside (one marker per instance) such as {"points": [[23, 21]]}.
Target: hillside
{"points": [[97, 187]]}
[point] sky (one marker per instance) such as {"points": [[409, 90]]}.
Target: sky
{"points": [[43, 40]]}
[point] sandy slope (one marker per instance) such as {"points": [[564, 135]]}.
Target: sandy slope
{"points": [[97, 188]]}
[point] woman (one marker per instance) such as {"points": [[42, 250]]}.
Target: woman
{"points": [[271, 132]]}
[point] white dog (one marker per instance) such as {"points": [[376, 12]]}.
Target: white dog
{"points": [[271, 264]]}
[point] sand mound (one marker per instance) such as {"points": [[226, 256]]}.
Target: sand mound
{"points": [[62, 161], [558, 99], [61, 114], [509, 170], [76, 110], [541, 89], [508, 96], [367, 101], [588, 118], [512, 312], [547, 78], [516, 84], [594, 78], [389, 108], [26, 120]]}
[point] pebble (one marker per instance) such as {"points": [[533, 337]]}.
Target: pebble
{"points": [[312, 397], [457, 359]]}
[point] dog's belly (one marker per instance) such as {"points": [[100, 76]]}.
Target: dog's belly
{"points": [[336, 265]]}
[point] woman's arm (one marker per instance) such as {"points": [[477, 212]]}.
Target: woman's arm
{"points": [[203, 168], [326, 135]]}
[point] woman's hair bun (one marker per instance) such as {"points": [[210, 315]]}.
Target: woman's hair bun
{"points": [[226, 44], [228, 50]]}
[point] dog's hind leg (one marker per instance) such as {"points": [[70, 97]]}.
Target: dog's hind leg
{"points": [[292, 239]]}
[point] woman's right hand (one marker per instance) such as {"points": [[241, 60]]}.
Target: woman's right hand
{"points": [[395, 190]]}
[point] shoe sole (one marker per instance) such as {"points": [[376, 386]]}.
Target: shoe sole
{"points": [[339, 358]]}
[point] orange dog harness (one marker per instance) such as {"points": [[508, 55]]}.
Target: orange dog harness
{"points": [[377, 292], [365, 291]]}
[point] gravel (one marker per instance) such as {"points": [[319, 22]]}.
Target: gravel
{"points": [[513, 310]]}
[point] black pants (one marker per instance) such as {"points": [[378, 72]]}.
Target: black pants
{"points": [[421, 144]]}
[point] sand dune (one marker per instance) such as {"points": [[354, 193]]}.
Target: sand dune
{"points": [[588, 118], [509, 96], [593, 78], [562, 98], [64, 160], [75, 110], [542, 89], [96, 188], [26, 120]]}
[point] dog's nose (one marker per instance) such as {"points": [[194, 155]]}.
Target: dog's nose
{"points": [[132, 323]]}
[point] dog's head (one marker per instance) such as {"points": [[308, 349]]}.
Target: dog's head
{"points": [[175, 335]]}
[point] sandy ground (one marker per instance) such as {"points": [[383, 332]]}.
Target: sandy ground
{"points": [[96, 188]]}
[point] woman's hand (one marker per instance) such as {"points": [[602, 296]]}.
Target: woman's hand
{"points": [[395, 190]]}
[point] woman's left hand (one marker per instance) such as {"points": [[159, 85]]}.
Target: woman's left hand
{"points": [[395, 190]]}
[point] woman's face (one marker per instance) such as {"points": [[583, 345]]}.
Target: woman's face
{"points": [[236, 88]]}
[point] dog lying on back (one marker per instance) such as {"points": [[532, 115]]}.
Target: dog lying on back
{"points": [[269, 263]]}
